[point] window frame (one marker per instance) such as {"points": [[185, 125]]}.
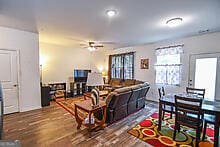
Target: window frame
{"points": [[122, 68]]}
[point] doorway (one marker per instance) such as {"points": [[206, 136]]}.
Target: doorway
{"points": [[204, 72], [9, 79]]}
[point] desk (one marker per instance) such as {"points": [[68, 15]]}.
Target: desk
{"points": [[208, 107]]}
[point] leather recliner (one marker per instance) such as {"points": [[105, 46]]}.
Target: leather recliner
{"points": [[132, 102], [124, 101]]}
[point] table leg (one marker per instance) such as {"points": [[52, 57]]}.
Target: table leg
{"points": [[160, 114], [103, 118], [216, 133], [78, 120]]}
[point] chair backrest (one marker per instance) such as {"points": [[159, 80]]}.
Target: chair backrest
{"points": [[199, 92], [185, 108], [161, 91]]}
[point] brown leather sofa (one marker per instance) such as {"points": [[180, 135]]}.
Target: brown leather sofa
{"points": [[119, 83], [124, 101]]}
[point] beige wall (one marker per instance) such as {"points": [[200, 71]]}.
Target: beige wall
{"points": [[207, 43], [60, 61], [27, 44]]}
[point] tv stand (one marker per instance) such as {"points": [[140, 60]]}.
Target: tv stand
{"points": [[78, 88], [57, 90]]}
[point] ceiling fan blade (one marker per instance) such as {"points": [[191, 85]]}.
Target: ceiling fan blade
{"points": [[98, 46], [107, 42]]}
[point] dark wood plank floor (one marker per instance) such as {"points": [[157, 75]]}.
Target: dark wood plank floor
{"points": [[54, 126]]}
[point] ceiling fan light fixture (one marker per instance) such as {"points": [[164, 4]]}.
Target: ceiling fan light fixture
{"points": [[111, 13], [91, 49], [174, 22]]}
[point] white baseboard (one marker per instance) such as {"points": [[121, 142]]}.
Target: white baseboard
{"points": [[30, 108]]}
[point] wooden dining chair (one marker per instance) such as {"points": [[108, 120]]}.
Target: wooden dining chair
{"points": [[185, 106], [208, 119], [199, 92], [165, 108]]}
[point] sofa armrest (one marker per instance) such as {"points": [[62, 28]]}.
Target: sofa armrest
{"points": [[107, 85], [111, 116]]}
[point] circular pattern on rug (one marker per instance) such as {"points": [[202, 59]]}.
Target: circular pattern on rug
{"points": [[149, 132], [191, 133], [167, 131], [171, 121], [167, 140], [156, 122], [172, 126], [183, 145], [210, 132], [146, 123], [155, 142], [211, 139], [155, 115], [205, 144]]}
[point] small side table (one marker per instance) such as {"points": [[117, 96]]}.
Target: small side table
{"points": [[86, 106]]}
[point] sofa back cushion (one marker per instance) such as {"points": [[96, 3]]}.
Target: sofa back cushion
{"points": [[121, 96], [122, 99], [115, 82], [128, 82], [135, 93], [138, 82]]}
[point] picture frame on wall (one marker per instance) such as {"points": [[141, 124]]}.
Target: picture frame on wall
{"points": [[145, 63]]}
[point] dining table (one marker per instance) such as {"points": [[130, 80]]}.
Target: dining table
{"points": [[209, 106]]}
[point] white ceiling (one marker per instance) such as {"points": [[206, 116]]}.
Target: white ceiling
{"points": [[74, 22]]}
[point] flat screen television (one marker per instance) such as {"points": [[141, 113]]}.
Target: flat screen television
{"points": [[81, 75]]}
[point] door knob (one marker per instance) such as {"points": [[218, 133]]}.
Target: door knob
{"points": [[15, 85]]}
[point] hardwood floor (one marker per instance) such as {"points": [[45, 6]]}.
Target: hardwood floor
{"points": [[54, 126]]}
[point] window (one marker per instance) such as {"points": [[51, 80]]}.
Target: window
{"points": [[168, 66], [122, 66]]}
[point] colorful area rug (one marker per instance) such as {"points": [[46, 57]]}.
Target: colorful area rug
{"points": [[69, 104], [147, 131]]}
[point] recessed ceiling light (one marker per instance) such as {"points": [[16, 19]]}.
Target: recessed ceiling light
{"points": [[174, 22], [111, 13]]}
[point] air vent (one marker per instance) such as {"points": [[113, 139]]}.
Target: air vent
{"points": [[203, 31]]}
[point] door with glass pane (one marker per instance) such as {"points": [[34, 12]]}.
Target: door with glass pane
{"points": [[204, 72]]}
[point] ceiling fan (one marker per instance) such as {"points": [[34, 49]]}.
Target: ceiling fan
{"points": [[92, 46]]}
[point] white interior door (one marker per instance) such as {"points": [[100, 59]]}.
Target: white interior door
{"points": [[204, 72], [8, 78]]}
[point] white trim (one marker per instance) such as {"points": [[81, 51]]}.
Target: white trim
{"points": [[30, 108]]}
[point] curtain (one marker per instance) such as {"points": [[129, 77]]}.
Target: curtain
{"points": [[168, 66]]}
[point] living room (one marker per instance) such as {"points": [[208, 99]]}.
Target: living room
{"points": [[46, 41]]}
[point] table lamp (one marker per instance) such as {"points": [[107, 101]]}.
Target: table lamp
{"points": [[95, 79]]}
